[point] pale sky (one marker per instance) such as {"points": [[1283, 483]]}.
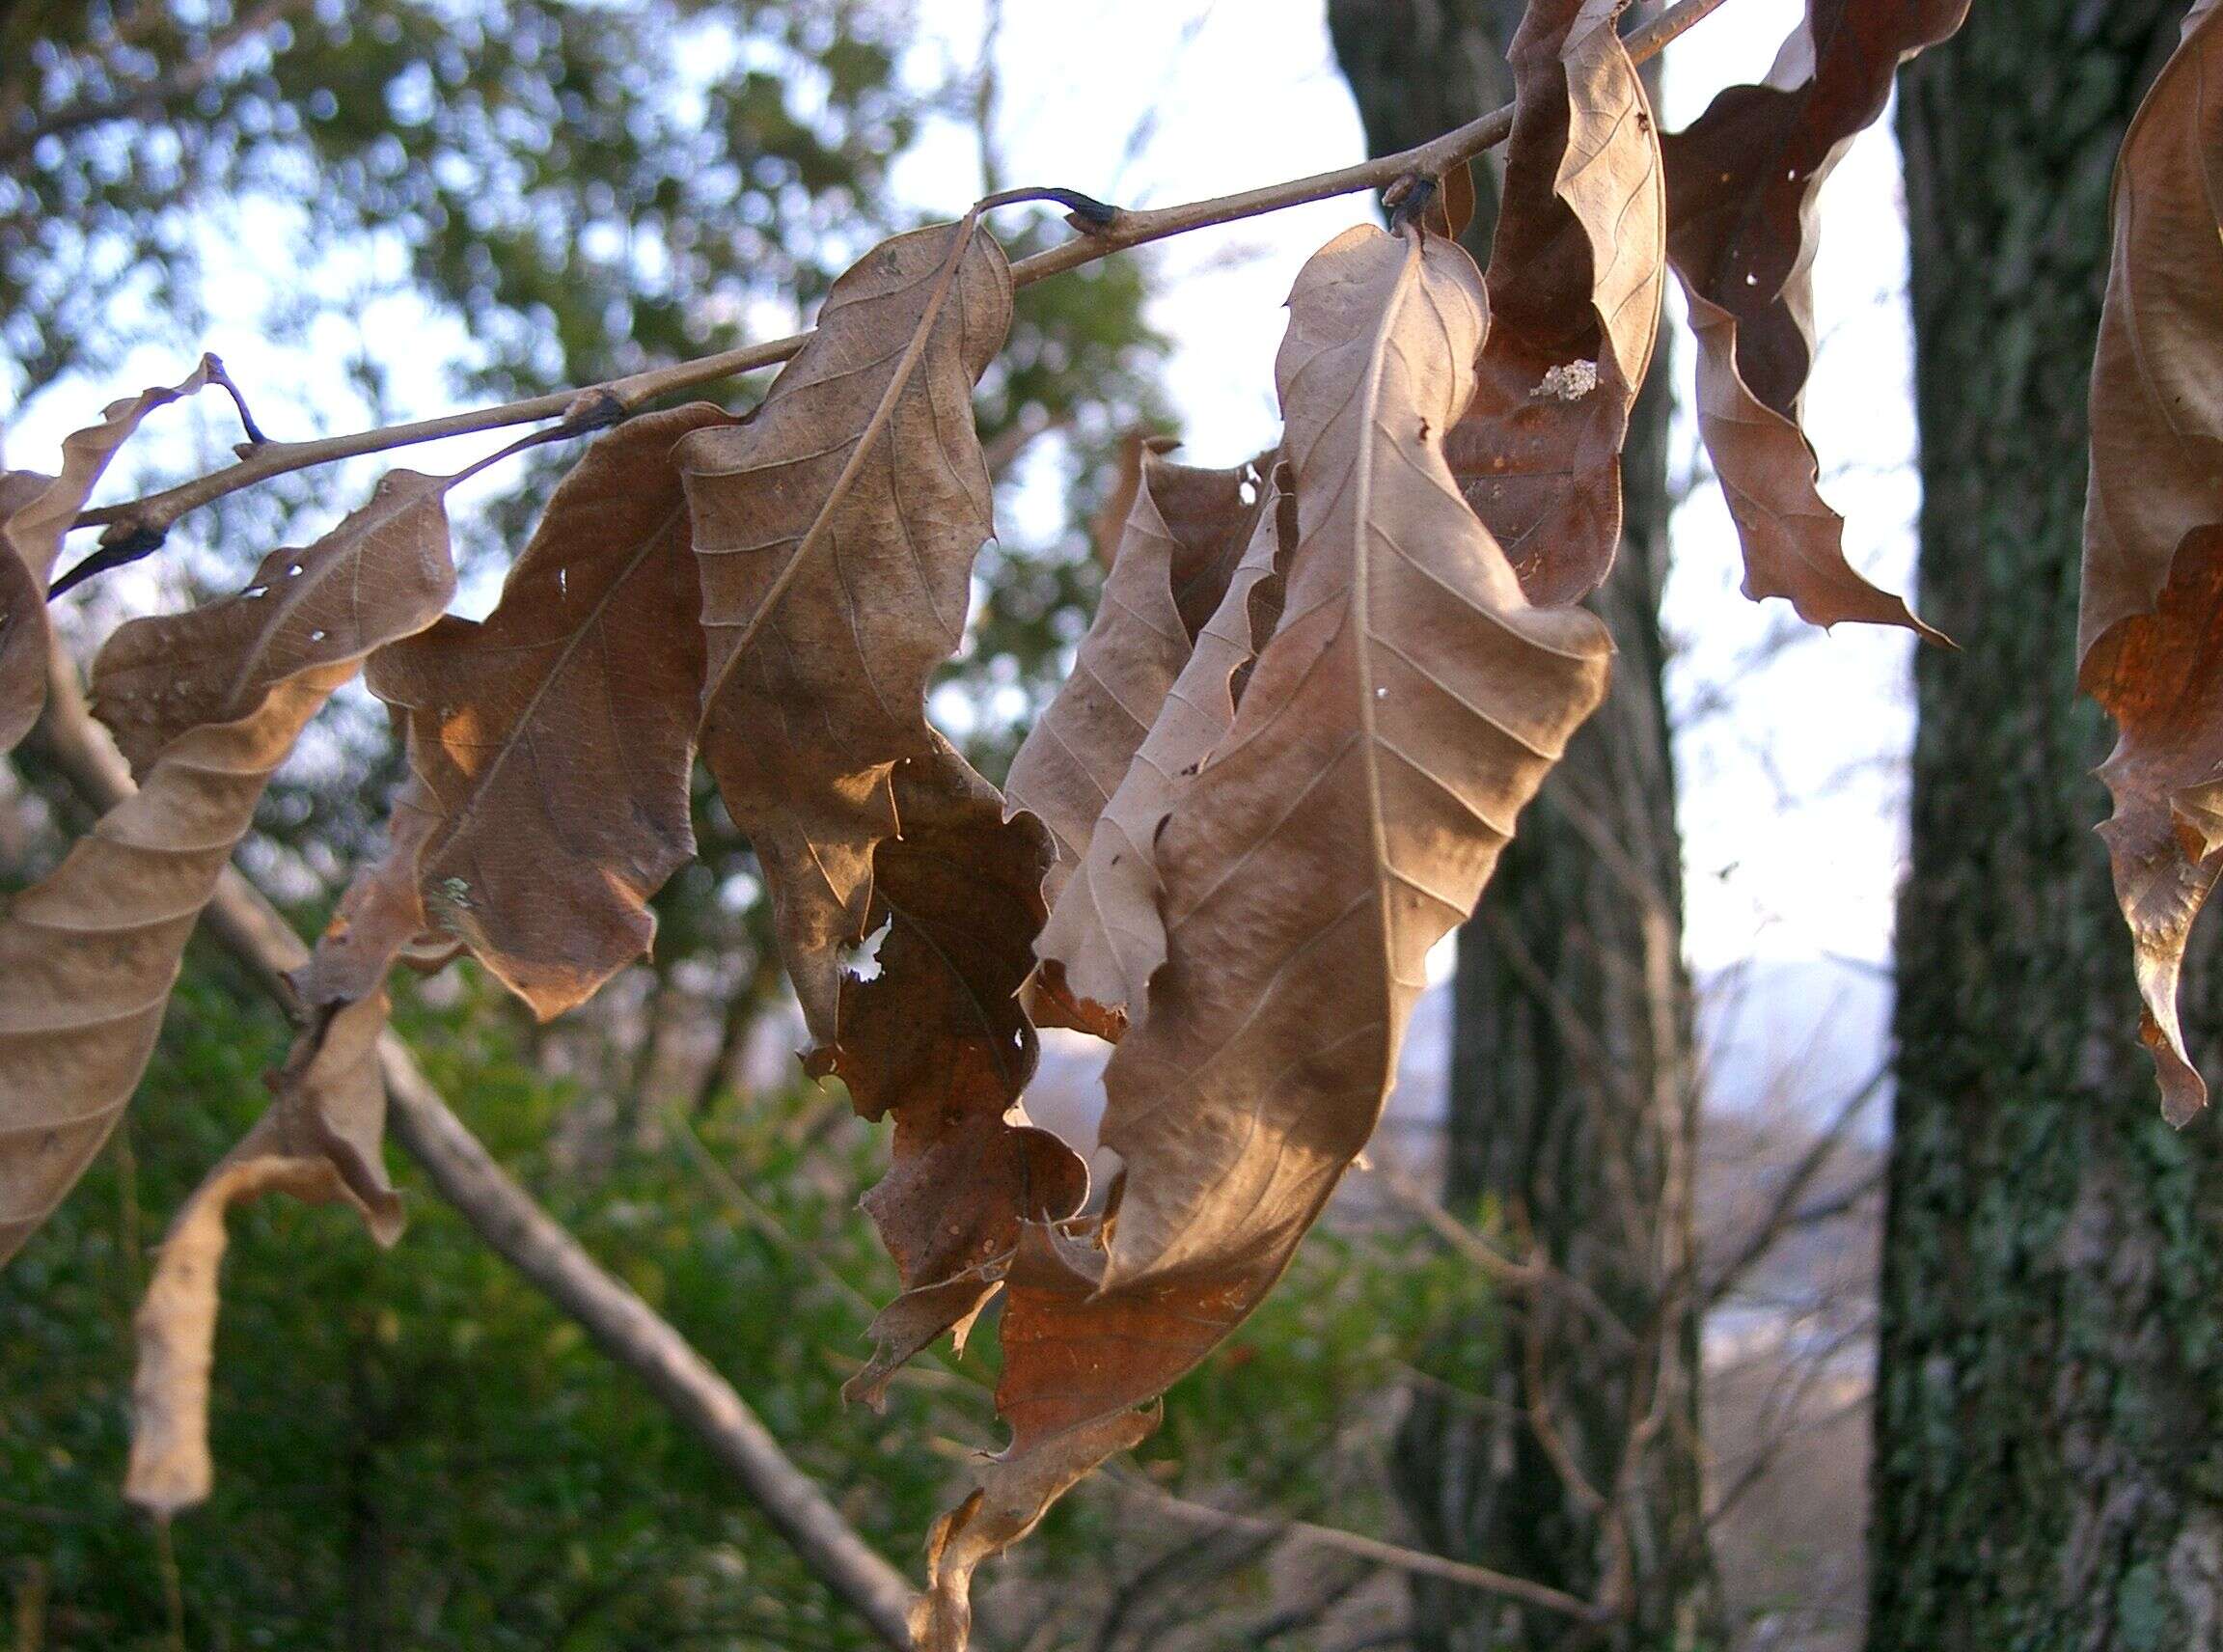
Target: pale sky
{"points": [[1793, 764]]}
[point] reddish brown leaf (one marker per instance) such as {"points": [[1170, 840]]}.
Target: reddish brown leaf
{"points": [[2150, 631], [1741, 186], [937, 1038], [550, 746], [836, 531], [1575, 275]]}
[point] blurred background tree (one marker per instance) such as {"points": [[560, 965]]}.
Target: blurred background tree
{"points": [[2049, 1401]]}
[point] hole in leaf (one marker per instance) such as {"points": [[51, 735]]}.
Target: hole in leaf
{"points": [[862, 960]]}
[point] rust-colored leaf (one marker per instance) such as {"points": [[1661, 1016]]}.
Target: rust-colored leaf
{"points": [[2150, 631], [1575, 275], [1741, 186], [1406, 709], [35, 512], [319, 1142], [90, 953], [550, 745], [937, 1038], [1105, 937], [836, 531], [1174, 563]]}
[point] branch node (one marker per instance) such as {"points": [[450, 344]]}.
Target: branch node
{"points": [[594, 409]]}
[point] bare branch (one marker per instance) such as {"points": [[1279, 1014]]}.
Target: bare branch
{"points": [[1783, 1212], [156, 512], [1394, 1556]]}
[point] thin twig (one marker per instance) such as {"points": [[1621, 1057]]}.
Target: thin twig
{"points": [[1394, 1556], [1124, 231], [1783, 1211]]}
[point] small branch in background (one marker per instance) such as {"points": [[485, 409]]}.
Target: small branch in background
{"points": [[1009, 445], [1783, 1211], [1394, 1556], [146, 100], [1515, 1275]]}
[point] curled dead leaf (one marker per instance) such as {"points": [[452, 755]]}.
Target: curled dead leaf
{"points": [[319, 1142], [1742, 185], [1184, 531], [92, 950], [383, 572], [35, 512], [1577, 270], [2150, 632], [1106, 937]]}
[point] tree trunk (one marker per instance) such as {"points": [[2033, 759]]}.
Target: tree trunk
{"points": [[2049, 1416], [1571, 1106]]}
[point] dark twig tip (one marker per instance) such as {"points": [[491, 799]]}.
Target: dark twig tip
{"points": [[120, 544], [1084, 213]]}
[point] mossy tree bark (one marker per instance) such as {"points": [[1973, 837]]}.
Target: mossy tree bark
{"points": [[2049, 1461], [1571, 1105]]}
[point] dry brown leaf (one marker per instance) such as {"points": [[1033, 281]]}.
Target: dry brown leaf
{"points": [[1173, 550], [937, 1038], [1743, 183], [551, 745], [92, 950], [35, 512], [836, 531], [1105, 937], [1406, 709], [1067, 1391], [2150, 631], [1576, 276], [319, 1142], [24, 634], [382, 573], [381, 914]]}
